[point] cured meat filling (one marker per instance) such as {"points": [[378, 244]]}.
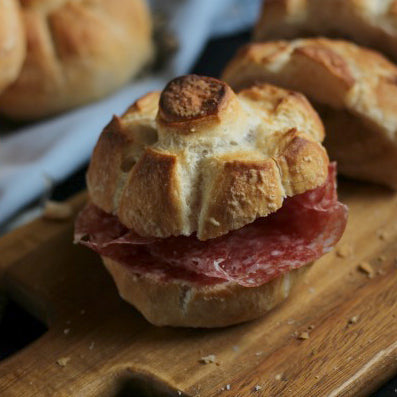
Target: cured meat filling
{"points": [[307, 226]]}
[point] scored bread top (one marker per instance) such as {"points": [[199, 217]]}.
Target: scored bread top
{"points": [[335, 73], [199, 158], [76, 52], [368, 22]]}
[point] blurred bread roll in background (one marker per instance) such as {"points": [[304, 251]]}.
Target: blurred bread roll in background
{"points": [[77, 52], [367, 22], [12, 42], [353, 89]]}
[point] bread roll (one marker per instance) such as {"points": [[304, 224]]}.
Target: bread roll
{"points": [[77, 52], [187, 304], [12, 42], [210, 162], [353, 88], [367, 22]]}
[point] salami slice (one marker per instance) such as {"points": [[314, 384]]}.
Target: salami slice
{"points": [[306, 227]]}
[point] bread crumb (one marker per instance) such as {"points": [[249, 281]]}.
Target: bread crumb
{"points": [[57, 211], [308, 159], [382, 235], [366, 268], [179, 393], [344, 250], [91, 346], [311, 326], [381, 258], [312, 290], [304, 335], [290, 322], [258, 353], [257, 388], [278, 376], [66, 331], [62, 362], [353, 320], [211, 358], [235, 348], [213, 221], [317, 377], [227, 387]]}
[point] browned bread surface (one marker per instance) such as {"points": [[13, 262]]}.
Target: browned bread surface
{"points": [[353, 88], [186, 304], [12, 42], [368, 22], [206, 160], [77, 52]]}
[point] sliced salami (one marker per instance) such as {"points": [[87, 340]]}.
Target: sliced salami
{"points": [[306, 227]]}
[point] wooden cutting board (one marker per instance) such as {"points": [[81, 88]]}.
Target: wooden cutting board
{"points": [[97, 345]]}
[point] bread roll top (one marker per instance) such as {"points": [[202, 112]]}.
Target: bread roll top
{"points": [[197, 158]]}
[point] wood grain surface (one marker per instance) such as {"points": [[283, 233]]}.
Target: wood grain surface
{"points": [[97, 345]]}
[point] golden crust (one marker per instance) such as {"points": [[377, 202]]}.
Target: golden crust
{"points": [[367, 22], [12, 42], [240, 161], [77, 52], [185, 304], [340, 76]]}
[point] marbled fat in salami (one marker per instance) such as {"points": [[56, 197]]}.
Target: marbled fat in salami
{"points": [[306, 227]]}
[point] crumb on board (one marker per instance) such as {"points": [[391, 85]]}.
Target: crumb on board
{"points": [[366, 268], [304, 335], [91, 346], [211, 358], [382, 235], [66, 331], [344, 250], [62, 362], [290, 322], [382, 258], [258, 354], [353, 320], [179, 393], [278, 376], [257, 388], [227, 387], [311, 326], [57, 211]]}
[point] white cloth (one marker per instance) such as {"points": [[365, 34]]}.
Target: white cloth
{"points": [[53, 149]]}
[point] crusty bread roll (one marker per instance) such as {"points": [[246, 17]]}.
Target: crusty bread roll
{"points": [[210, 162], [77, 52], [176, 186], [368, 22], [188, 304], [12, 42], [353, 88]]}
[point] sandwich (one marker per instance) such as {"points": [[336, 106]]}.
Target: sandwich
{"points": [[207, 207]]}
